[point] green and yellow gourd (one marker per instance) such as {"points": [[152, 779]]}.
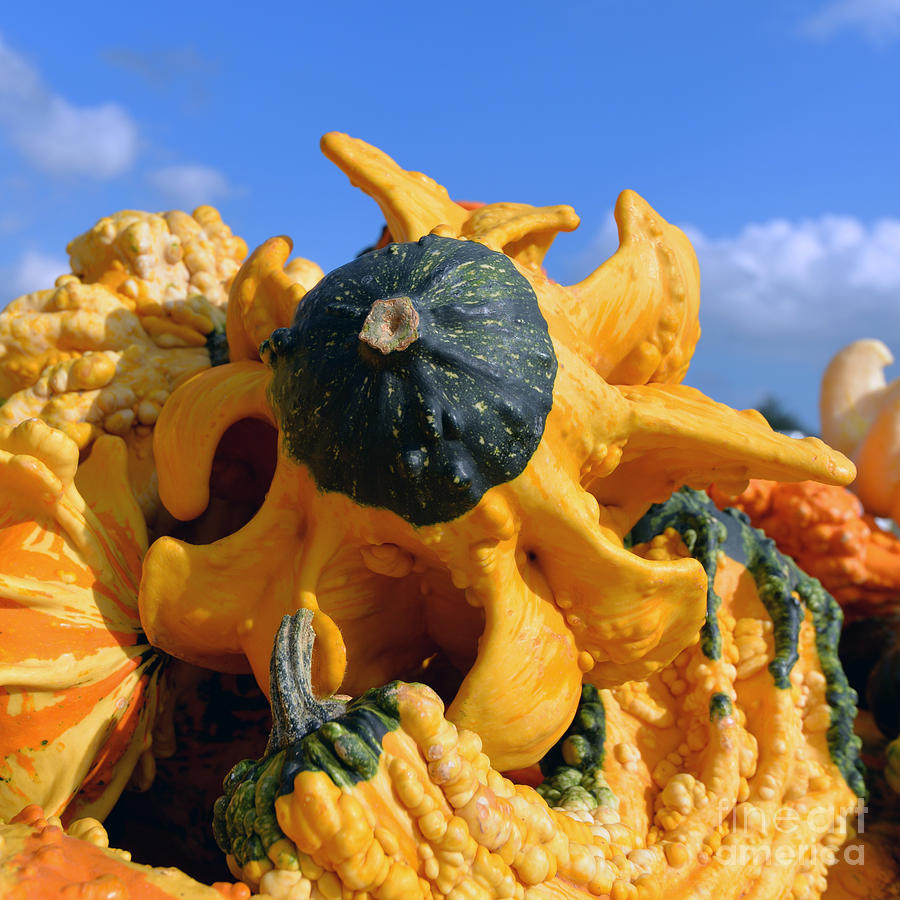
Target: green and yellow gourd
{"points": [[469, 476], [728, 774]]}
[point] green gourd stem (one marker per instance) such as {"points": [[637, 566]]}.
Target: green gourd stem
{"points": [[296, 711], [308, 735]]}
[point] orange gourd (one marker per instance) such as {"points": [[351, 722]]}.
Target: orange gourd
{"points": [[824, 529], [79, 684], [40, 860]]}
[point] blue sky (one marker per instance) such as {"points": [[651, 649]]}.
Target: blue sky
{"points": [[769, 130]]}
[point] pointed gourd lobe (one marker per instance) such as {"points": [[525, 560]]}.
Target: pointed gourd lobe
{"points": [[638, 312], [262, 298], [413, 204], [524, 233]]}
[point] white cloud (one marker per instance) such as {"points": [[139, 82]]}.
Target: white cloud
{"points": [[797, 285], [188, 186], [57, 136], [34, 271], [831, 279], [878, 20]]}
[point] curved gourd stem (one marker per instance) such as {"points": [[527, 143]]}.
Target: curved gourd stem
{"points": [[296, 711]]}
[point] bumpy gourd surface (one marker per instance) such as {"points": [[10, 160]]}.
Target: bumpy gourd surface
{"points": [[789, 595], [102, 350], [692, 782], [530, 591]]}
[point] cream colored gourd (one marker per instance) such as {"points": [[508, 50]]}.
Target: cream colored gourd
{"points": [[860, 413]]}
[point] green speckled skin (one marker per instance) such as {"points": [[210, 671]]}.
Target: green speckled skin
{"points": [[574, 765], [217, 347], [786, 592], [308, 735], [426, 430], [720, 706]]}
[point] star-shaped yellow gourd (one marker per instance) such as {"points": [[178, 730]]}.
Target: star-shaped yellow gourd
{"points": [[525, 590]]}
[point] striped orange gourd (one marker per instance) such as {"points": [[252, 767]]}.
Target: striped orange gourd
{"points": [[79, 684]]}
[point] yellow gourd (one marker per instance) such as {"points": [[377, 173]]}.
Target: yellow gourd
{"points": [[727, 774], [525, 588], [101, 351]]}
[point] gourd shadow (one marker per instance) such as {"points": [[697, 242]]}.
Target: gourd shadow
{"points": [[216, 719], [242, 471]]}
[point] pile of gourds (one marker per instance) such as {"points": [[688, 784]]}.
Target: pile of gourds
{"points": [[449, 487]]}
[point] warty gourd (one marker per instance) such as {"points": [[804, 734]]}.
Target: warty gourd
{"points": [[511, 565], [730, 773], [143, 309]]}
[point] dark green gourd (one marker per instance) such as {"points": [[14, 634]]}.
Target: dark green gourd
{"points": [[415, 377]]}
